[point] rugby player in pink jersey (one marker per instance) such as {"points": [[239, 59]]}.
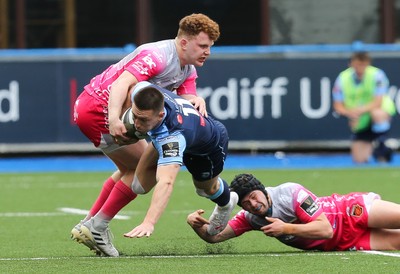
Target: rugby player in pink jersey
{"points": [[169, 64], [298, 218]]}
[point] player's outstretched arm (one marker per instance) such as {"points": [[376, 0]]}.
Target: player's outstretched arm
{"points": [[200, 224], [165, 177]]}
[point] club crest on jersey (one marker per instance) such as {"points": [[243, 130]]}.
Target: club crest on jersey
{"points": [[170, 149], [356, 211], [309, 206], [179, 118]]}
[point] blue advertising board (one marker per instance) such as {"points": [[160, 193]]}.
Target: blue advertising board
{"points": [[260, 98], [275, 99]]}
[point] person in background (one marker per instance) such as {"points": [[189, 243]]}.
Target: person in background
{"points": [[360, 94], [169, 64], [298, 218]]}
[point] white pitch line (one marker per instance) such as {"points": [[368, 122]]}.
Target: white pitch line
{"points": [[382, 253], [188, 256], [349, 253], [85, 212], [64, 211], [77, 211], [295, 254], [31, 214]]}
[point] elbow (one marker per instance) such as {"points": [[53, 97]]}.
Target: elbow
{"points": [[168, 185], [328, 232], [212, 239]]}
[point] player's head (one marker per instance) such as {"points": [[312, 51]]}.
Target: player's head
{"points": [[147, 108], [195, 23], [244, 184], [149, 98], [359, 62], [196, 35]]}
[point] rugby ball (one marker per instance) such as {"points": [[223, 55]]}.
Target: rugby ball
{"points": [[127, 119]]}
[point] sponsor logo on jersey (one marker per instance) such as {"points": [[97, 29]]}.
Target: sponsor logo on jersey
{"points": [[356, 211], [205, 175], [309, 206], [140, 67], [170, 149], [149, 61]]}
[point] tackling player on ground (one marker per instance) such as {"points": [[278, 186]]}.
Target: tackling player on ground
{"points": [[298, 218]]}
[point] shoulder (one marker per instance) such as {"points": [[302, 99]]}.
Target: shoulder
{"points": [[288, 192], [380, 73], [375, 70], [347, 72], [287, 187], [157, 50]]}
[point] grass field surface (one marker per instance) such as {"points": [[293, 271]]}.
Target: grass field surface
{"points": [[38, 210]]}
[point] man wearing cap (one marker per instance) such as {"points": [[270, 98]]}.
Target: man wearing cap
{"points": [[298, 218]]}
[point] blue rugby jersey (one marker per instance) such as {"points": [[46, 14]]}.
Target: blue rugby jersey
{"points": [[183, 130]]}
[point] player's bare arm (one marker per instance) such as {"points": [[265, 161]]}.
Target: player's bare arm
{"points": [[200, 224], [165, 177], [320, 228], [118, 98]]}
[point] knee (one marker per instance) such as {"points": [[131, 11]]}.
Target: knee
{"points": [[202, 192], [379, 115], [206, 188], [136, 186]]}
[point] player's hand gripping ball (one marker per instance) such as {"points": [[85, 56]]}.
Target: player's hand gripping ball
{"points": [[132, 133]]}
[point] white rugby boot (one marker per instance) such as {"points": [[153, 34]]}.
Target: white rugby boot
{"points": [[100, 241], [220, 216], [76, 235], [76, 232]]}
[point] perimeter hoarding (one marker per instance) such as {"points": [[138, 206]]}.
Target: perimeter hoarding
{"points": [[259, 98], [282, 99]]}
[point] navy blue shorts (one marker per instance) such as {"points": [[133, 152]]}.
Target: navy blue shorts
{"points": [[366, 135], [205, 167]]}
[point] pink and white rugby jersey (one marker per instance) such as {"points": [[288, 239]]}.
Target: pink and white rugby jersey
{"points": [[292, 203], [156, 62]]}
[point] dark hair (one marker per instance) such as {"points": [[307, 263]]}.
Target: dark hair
{"points": [[149, 98], [243, 184], [361, 56]]}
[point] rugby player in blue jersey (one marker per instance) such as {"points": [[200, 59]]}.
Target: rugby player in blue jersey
{"points": [[179, 136]]}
